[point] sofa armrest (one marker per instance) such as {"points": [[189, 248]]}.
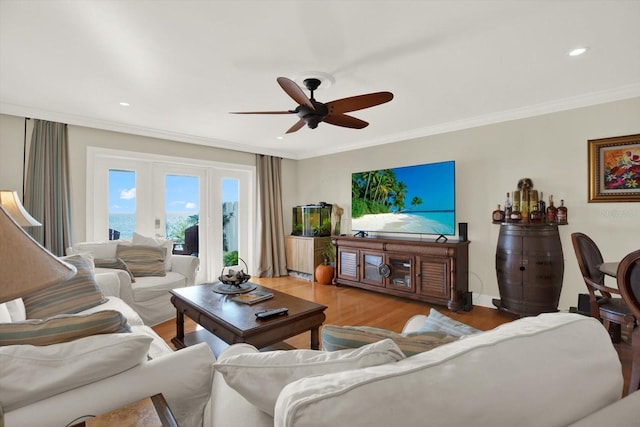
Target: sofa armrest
{"points": [[183, 377], [186, 265], [125, 292], [623, 413], [109, 282]]}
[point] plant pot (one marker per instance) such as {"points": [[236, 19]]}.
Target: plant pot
{"points": [[324, 274]]}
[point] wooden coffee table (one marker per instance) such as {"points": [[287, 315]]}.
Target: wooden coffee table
{"points": [[230, 322]]}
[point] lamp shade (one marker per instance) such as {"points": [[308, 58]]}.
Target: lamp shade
{"points": [[11, 203], [25, 266]]}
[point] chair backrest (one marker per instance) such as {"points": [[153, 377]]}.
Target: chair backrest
{"points": [[191, 240], [589, 257], [628, 277]]}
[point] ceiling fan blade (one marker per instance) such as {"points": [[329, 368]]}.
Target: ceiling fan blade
{"points": [[345, 121], [299, 124], [262, 112], [359, 102], [295, 92]]}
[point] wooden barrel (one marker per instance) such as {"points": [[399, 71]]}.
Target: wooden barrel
{"points": [[530, 267]]}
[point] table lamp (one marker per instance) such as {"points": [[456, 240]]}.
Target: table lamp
{"points": [[25, 265]]}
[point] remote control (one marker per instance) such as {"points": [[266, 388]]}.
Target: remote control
{"points": [[273, 312]]}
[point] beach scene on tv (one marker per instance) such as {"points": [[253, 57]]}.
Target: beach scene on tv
{"points": [[416, 199]]}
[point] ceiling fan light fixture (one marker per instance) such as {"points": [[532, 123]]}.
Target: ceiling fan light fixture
{"points": [[578, 51]]}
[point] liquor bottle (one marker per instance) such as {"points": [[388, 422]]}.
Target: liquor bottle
{"points": [[507, 208], [524, 204], [562, 213], [542, 207], [552, 211], [535, 216], [497, 215], [516, 216], [515, 205]]}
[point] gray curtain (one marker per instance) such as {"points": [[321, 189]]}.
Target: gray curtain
{"points": [[47, 185], [270, 229]]}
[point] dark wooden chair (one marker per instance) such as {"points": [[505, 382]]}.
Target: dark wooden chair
{"points": [[628, 277], [191, 244], [114, 234], [612, 312]]}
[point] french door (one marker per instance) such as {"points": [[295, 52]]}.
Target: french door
{"points": [[206, 204]]}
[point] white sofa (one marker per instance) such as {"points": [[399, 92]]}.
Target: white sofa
{"points": [[551, 370], [148, 296]]}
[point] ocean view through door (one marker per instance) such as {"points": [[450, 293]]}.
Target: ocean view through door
{"points": [[205, 211]]}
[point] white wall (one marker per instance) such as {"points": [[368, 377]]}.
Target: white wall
{"points": [[549, 149]]}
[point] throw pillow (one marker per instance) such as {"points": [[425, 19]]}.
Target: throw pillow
{"points": [[439, 322], [139, 239], [116, 263], [62, 328], [143, 260], [73, 295], [344, 337], [31, 373], [259, 377]]}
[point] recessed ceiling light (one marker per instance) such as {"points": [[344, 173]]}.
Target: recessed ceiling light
{"points": [[279, 137], [125, 104], [578, 51]]}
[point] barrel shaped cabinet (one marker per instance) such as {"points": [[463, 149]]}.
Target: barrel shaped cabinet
{"points": [[530, 268]]}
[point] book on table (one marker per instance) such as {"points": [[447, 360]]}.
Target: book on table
{"points": [[252, 297]]}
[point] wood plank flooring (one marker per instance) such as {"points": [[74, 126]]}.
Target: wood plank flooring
{"points": [[352, 306]]}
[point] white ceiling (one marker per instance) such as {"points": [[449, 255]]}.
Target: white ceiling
{"points": [[184, 65]]}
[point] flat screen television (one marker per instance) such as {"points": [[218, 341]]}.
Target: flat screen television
{"points": [[418, 199]]}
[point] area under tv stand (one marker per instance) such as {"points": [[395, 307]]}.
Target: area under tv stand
{"points": [[431, 271]]}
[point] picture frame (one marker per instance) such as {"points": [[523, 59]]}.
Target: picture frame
{"points": [[614, 169]]}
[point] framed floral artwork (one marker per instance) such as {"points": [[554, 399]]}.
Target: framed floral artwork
{"points": [[614, 169]]}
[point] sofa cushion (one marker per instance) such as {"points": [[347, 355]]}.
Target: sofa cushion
{"points": [[102, 250], [16, 310], [30, 373], [552, 360], [148, 288], [5, 317], [68, 296], [115, 263], [115, 303], [139, 239], [437, 321], [62, 328], [345, 337], [143, 260], [259, 377]]}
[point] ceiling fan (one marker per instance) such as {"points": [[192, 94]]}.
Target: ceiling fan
{"points": [[312, 112]]}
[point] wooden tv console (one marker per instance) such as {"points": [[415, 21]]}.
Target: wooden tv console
{"points": [[430, 271]]}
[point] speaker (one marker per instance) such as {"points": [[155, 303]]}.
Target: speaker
{"points": [[462, 231]]}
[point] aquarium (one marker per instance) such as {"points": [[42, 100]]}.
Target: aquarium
{"points": [[312, 220]]}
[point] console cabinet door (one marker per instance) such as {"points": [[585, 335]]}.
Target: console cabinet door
{"points": [[401, 272], [348, 265], [371, 273], [433, 276]]}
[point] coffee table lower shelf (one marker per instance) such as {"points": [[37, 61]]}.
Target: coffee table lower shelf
{"points": [[216, 344]]}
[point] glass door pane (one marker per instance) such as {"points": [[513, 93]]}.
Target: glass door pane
{"points": [[230, 197], [182, 213], [122, 204]]}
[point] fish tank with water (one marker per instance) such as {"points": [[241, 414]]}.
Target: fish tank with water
{"points": [[312, 220]]}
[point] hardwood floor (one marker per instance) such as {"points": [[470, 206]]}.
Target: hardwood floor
{"points": [[351, 306]]}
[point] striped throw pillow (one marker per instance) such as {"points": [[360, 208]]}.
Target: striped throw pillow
{"points": [[437, 321], [63, 328], [73, 295], [143, 260], [116, 263], [344, 337]]}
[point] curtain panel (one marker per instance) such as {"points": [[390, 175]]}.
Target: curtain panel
{"points": [[270, 227], [47, 185]]}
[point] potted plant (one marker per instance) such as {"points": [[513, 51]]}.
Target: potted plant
{"points": [[324, 271]]}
